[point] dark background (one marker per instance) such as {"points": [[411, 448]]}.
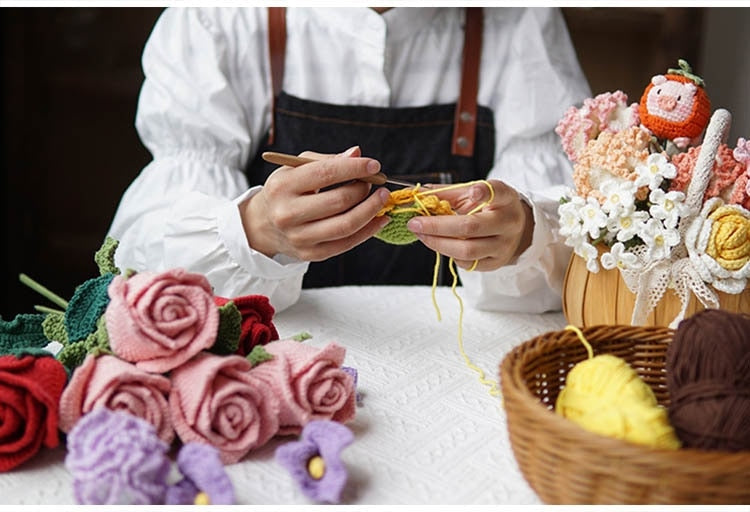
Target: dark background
{"points": [[70, 81]]}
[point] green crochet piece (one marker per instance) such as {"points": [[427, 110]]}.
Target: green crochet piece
{"points": [[105, 257], [395, 232], [89, 302], [230, 329], [54, 327], [258, 355], [21, 334]]}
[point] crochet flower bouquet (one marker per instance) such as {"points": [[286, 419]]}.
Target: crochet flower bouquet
{"points": [[659, 194], [146, 361]]}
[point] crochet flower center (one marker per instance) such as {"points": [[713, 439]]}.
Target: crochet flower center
{"points": [[316, 467]]}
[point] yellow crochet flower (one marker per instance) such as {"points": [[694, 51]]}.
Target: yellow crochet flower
{"points": [[729, 242], [718, 244]]}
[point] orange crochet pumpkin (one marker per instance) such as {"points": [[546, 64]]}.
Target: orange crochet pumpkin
{"points": [[675, 105]]}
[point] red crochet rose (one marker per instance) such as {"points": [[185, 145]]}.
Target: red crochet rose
{"points": [[257, 326], [30, 388]]}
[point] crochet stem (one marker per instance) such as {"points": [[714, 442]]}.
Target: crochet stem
{"points": [[41, 290]]}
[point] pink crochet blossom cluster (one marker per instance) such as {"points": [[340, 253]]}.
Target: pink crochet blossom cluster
{"points": [[728, 178], [607, 112]]}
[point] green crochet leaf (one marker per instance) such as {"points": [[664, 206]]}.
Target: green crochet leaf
{"points": [[105, 257], [259, 355], [87, 305], [54, 327], [230, 328], [97, 342], [23, 332], [72, 355]]}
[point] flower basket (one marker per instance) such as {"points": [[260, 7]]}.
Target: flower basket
{"points": [[565, 464], [594, 298], [659, 230]]}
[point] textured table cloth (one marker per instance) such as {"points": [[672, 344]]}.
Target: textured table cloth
{"points": [[427, 431]]}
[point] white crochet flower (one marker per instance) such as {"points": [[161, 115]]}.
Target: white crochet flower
{"points": [[593, 218], [571, 223], [627, 224], [667, 206], [620, 258], [589, 253], [659, 239], [718, 244], [618, 194], [653, 172]]}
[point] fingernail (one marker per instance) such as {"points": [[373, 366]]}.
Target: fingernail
{"points": [[350, 151], [414, 225], [384, 195], [373, 166]]}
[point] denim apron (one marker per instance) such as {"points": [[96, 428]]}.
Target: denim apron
{"points": [[446, 143]]}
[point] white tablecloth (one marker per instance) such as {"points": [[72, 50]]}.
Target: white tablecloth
{"points": [[427, 430]]}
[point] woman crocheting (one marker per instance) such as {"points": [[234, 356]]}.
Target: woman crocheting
{"points": [[430, 95]]}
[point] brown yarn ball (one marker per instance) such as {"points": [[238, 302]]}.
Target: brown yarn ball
{"points": [[708, 378]]}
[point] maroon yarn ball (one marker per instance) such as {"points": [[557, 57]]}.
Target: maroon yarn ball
{"points": [[708, 378]]}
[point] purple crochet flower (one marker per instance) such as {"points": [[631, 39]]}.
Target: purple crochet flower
{"points": [[353, 372], [204, 480], [314, 461], [116, 458]]}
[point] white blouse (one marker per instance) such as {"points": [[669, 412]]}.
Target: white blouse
{"points": [[204, 110]]}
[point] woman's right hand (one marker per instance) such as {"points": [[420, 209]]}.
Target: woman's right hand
{"points": [[297, 214]]}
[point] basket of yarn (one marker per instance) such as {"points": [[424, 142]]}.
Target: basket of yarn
{"points": [[593, 423], [659, 219]]}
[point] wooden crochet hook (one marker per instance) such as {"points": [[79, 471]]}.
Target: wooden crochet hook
{"points": [[294, 161]]}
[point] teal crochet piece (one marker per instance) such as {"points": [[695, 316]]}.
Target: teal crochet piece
{"points": [[22, 333], [88, 303], [396, 232]]}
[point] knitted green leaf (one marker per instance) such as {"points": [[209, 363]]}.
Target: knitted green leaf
{"points": [[97, 342], [72, 355], [54, 327], [87, 305], [105, 257], [230, 328], [258, 355], [302, 336], [24, 331]]}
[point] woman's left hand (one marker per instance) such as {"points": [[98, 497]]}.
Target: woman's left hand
{"points": [[494, 236]]}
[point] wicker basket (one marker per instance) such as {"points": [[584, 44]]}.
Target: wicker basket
{"points": [[566, 464], [603, 298]]}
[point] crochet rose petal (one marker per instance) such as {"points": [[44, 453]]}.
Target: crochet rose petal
{"points": [[109, 382], [309, 383], [159, 321], [216, 400]]}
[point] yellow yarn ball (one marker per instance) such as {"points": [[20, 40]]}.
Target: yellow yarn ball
{"points": [[606, 396]]}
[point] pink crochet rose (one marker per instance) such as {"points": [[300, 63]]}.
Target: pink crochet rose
{"points": [[309, 382], [159, 321], [217, 400], [107, 381]]}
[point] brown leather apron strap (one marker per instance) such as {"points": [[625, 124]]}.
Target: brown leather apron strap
{"points": [[465, 121], [277, 54]]}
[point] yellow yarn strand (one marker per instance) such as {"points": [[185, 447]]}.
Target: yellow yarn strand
{"points": [[419, 198], [582, 338]]}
